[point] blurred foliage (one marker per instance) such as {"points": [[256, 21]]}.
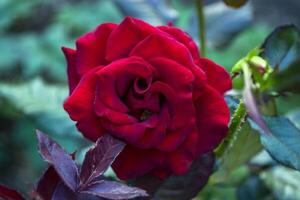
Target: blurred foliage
{"points": [[32, 32], [33, 88], [235, 3]]}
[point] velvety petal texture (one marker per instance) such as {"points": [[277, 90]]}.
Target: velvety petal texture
{"points": [[149, 87]]}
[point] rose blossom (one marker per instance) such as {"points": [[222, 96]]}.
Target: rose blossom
{"points": [[149, 87]]}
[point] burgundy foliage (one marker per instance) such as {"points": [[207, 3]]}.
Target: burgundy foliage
{"points": [[9, 194], [62, 180]]}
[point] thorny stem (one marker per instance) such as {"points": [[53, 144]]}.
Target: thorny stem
{"points": [[237, 120]]}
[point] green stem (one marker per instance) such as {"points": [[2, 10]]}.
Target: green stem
{"points": [[201, 25], [237, 120]]}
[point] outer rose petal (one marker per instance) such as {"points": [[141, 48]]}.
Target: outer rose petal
{"points": [[182, 158], [133, 162], [217, 76], [128, 34], [91, 48], [174, 139], [184, 38], [213, 116], [73, 77], [79, 105], [161, 173]]}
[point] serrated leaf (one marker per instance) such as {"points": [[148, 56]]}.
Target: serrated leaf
{"points": [[282, 46], [52, 153], [9, 194], [99, 158], [187, 186], [283, 143], [244, 146], [235, 3], [114, 190], [47, 184]]}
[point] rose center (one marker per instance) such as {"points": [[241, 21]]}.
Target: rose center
{"points": [[142, 84], [145, 115]]}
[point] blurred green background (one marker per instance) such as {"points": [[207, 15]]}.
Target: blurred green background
{"points": [[33, 77]]}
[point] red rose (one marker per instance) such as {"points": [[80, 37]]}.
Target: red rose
{"points": [[149, 87]]}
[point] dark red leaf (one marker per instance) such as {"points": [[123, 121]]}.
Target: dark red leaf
{"points": [[47, 184], [62, 192], [9, 194], [114, 190], [59, 159], [99, 158], [188, 185]]}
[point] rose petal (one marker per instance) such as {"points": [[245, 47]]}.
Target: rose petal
{"points": [[174, 74], [213, 116], [184, 38], [79, 105], [73, 77], [115, 117], [180, 104], [142, 85], [217, 76], [91, 48], [107, 91], [128, 34], [131, 133], [153, 136], [161, 173], [158, 45], [149, 102], [182, 158], [174, 138], [133, 162]]}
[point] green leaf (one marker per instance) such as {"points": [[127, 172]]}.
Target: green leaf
{"points": [[41, 102], [217, 192], [287, 103], [244, 146], [282, 46], [288, 79], [253, 188], [295, 117], [283, 142], [235, 3], [284, 182]]}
